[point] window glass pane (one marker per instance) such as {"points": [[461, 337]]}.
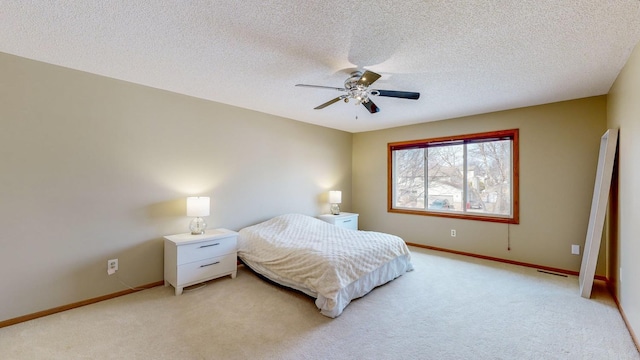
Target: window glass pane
{"points": [[445, 177], [473, 176], [409, 177], [489, 177]]}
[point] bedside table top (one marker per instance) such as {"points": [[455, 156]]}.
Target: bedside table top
{"points": [[341, 215], [186, 238]]}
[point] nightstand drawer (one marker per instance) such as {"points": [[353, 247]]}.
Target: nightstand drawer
{"points": [[349, 223], [206, 249], [344, 220], [206, 269]]}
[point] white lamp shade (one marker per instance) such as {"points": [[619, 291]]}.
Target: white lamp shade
{"points": [[335, 197], [198, 206]]}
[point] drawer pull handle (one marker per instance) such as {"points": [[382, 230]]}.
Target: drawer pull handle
{"points": [[217, 262], [204, 246], [347, 220]]}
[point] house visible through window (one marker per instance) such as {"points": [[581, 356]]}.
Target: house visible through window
{"points": [[469, 176]]}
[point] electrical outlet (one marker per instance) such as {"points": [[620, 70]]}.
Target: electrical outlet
{"points": [[112, 266], [575, 249], [453, 233]]}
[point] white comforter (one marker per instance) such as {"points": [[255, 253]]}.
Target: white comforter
{"points": [[332, 264]]}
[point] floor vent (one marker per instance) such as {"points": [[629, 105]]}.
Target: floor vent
{"points": [[551, 273]]}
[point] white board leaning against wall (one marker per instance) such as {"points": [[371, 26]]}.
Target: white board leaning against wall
{"points": [[608, 145]]}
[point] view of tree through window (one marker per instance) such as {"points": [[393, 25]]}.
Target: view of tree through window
{"points": [[471, 176]]}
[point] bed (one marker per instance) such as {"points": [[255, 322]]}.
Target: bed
{"points": [[332, 264]]}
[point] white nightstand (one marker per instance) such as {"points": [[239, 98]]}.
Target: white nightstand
{"points": [[344, 219], [191, 259]]}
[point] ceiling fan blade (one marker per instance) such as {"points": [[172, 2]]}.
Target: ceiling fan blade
{"points": [[371, 106], [322, 87], [368, 78], [397, 94], [332, 101]]}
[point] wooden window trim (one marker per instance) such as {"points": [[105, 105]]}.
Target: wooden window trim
{"points": [[512, 134]]}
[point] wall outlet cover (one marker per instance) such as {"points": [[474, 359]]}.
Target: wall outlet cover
{"points": [[575, 249], [112, 266]]}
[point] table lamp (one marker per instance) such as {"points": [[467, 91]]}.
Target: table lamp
{"points": [[198, 206], [335, 198]]}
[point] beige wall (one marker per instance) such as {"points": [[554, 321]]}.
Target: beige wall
{"points": [[559, 146], [94, 168], [623, 112]]}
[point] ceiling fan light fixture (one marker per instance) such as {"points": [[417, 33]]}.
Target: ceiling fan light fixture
{"points": [[357, 92]]}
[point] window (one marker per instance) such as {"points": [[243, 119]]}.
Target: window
{"points": [[469, 177]]}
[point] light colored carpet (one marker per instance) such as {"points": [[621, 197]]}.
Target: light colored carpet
{"points": [[449, 307]]}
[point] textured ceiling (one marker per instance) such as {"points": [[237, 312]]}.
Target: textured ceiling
{"points": [[464, 57]]}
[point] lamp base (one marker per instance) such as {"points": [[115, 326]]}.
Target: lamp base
{"points": [[197, 226], [335, 209]]}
